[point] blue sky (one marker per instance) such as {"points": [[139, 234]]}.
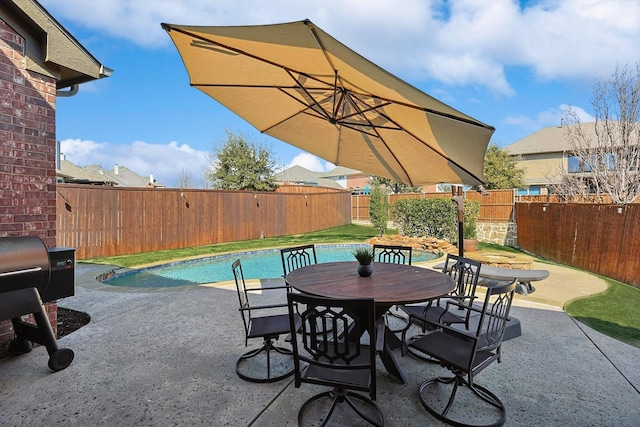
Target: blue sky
{"points": [[513, 65]]}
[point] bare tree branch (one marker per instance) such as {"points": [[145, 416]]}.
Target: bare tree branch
{"points": [[606, 153]]}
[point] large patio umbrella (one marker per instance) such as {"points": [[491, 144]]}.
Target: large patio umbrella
{"points": [[298, 84]]}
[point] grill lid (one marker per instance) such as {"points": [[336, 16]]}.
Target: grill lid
{"points": [[24, 263]]}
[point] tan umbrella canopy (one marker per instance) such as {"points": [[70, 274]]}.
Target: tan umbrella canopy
{"points": [[296, 83]]}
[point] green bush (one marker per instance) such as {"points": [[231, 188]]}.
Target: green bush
{"points": [[435, 218], [379, 208], [426, 217], [471, 212]]}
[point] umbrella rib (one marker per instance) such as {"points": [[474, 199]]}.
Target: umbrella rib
{"points": [[447, 158], [321, 45], [306, 91], [377, 134], [318, 114]]}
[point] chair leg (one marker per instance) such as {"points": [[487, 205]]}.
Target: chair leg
{"points": [[339, 396], [267, 347], [460, 381]]}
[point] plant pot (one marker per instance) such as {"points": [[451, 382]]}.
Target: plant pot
{"points": [[365, 270], [470, 245]]}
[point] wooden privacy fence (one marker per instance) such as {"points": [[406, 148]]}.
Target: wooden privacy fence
{"points": [[107, 221], [603, 239], [497, 206]]}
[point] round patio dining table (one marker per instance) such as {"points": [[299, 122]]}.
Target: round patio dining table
{"points": [[390, 284]]}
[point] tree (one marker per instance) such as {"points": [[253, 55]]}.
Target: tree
{"points": [[185, 179], [605, 155], [378, 208], [242, 165], [501, 170], [396, 187]]}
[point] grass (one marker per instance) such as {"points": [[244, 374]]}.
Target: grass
{"points": [[613, 312]]}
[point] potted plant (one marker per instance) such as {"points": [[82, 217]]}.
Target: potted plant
{"points": [[364, 257], [471, 213]]}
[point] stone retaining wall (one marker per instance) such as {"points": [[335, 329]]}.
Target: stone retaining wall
{"points": [[501, 233]]}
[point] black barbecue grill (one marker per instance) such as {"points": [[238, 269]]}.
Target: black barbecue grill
{"points": [[29, 275]]}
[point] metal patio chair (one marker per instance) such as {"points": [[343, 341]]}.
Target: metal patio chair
{"points": [[268, 327], [337, 348], [466, 354], [296, 257], [393, 254], [465, 273]]}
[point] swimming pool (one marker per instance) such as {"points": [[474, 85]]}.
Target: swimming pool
{"points": [[262, 264]]}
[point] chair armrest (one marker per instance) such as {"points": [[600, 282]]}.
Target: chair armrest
{"points": [[268, 288], [462, 306], [262, 307]]}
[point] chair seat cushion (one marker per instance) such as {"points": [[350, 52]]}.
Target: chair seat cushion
{"points": [[512, 330], [457, 352], [433, 314], [269, 326], [352, 378]]}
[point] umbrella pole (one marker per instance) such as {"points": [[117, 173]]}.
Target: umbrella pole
{"points": [[456, 196]]}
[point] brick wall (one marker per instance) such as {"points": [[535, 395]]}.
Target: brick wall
{"points": [[27, 152]]}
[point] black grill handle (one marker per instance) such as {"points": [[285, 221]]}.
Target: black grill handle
{"points": [[26, 270]]}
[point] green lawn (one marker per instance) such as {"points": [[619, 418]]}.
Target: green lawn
{"points": [[614, 313]]}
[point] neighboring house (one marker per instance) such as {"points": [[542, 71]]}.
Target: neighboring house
{"points": [[350, 179], [546, 156], [298, 175], [120, 176]]}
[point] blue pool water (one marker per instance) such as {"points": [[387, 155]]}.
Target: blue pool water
{"points": [[263, 264]]}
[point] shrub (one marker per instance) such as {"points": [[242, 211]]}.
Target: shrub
{"points": [[471, 213], [426, 217], [435, 218], [379, 208]]}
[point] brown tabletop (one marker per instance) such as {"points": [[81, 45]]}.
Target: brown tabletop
{"points": [[389, 284]]}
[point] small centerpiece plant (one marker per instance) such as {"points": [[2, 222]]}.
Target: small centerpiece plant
{"points": [[364, 257]]}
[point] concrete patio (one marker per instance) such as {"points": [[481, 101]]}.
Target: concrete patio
{"points": [[166, 358]]}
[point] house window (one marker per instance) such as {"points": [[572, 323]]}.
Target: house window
{"points": [[576, 164], [573, 165], [533, 190], [611, 161]]}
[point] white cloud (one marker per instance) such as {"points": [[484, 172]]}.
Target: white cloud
{"points": [[549, 117], [454, 42], [582, 115], [309, 161], [165, 162]]}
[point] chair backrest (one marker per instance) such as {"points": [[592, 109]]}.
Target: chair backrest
{"points": [[243, 297], [392, 254], [495, 314], [337, 342], [296, 257], [483, 343], [464, 272]]}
